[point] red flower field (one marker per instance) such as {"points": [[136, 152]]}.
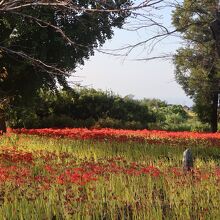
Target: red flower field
{"points": [[150, 136], [119, 174]]}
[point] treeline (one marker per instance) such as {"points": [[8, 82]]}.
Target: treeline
{"points": [[95, 108]]}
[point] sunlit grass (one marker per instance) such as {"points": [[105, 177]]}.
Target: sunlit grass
{"points": [[129, 180]]}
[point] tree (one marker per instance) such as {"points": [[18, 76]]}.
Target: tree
{"points": [[41, 43], [215, 27], [67, 11], [83, 107], [197, 62]]}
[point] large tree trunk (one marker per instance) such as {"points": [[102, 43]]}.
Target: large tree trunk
{"points": [[215, 27], [2, 121], [214, 115]]}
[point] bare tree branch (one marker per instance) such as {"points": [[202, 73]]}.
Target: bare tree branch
{"points": [[47, 24], [12, 5], [15, 7], [36, 62], [164, 57]]}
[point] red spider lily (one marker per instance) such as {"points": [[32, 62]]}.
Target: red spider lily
{"points": [[152, 137], [133, 171], [14, 174], [70, 176], [44, 170], [49, 169], [149, 169], [15, 156], [217, 172], [177, 171]]}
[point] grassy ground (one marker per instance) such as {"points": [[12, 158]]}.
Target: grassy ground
{"points": [[47, 178]]}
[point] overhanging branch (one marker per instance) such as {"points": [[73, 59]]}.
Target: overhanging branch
{"points": [[36, 62], [13, 5]]}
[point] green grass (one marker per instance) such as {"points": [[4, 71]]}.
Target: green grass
{"points": [[114, 195]]}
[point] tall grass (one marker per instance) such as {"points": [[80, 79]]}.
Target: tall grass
{"points": [[131, 180]]}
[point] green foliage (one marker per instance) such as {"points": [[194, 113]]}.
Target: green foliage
{"points": [[197, 64], [116, 123], [45, 44], [167, 117], [99, 109], [81, 108]]}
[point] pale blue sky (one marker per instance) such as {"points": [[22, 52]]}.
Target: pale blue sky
{"points": [[124, 76]]}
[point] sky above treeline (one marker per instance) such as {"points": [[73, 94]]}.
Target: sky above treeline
{"points": [[128, 75]]}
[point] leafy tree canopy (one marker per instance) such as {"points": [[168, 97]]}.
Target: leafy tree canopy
{"points": [[42, 45], [39, 33], [197, 62]]}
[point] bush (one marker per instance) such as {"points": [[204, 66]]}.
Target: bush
{"points": [[96, 108], [116, 123]]}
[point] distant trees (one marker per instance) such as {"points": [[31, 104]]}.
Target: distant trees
{"points": [[96, 108], [81, 108], [197, 62], [167, 117]]}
